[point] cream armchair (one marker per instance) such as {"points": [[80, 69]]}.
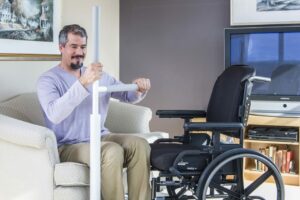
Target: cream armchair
{"points": [[30, 167]]}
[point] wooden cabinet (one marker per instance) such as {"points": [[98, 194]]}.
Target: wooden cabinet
{"points": [[255, 120]]}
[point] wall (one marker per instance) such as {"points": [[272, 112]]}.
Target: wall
{"points": [[18, 77], [178, 44]]}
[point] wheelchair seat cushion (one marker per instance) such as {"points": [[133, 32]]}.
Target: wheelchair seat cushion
{"points": [[164, 155]]}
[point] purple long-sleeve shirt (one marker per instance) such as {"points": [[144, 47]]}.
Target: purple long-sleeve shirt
{"points": [[67, 105]]}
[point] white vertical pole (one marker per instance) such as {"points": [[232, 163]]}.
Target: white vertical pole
{"points": [[95, 120]]}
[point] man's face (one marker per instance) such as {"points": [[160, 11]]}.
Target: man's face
{"points": [[73, 53]]}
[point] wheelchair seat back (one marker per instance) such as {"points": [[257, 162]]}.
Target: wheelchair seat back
{"points": [[226, 100]]}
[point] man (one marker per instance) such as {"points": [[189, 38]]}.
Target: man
{"points": [[65, 94]]}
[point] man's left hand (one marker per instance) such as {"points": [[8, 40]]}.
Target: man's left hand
{"points": [[143, 84]]}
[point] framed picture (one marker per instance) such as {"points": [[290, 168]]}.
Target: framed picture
{"points": [[264, 12], [29, 29]]}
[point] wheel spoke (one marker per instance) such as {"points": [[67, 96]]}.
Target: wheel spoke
{"points": [[231, 193], [255, 198], [254, 185], [240, 184], [240, 191], [182, 191]]}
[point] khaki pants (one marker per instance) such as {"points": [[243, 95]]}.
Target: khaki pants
{"points": [[118, 151]]}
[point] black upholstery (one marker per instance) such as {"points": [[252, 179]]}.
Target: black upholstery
{"points": [[227, 95], [184, 114], [163, 155], [224, 106]]}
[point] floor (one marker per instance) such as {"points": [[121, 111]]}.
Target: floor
{"points": [[291, 192]]}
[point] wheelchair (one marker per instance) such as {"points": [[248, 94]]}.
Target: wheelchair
{"points": [[201, 164]]}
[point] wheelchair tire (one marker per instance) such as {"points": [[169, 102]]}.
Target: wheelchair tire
{"points": [[239, 191]]}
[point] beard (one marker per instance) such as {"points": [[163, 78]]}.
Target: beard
{"points": [[78, 64]]}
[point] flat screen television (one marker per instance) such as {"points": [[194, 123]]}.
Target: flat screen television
{"points": [[274, 51]]}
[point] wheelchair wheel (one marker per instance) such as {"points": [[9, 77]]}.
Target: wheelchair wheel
{"points": [[238, 189]]}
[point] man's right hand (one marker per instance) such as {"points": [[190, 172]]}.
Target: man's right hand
{"points": [[91, 74]]}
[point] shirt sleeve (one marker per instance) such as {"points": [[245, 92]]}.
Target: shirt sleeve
{"points": [[128, 96], [58, 106]]}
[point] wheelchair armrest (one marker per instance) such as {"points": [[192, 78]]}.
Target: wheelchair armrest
{"points": [[212, 126], [184, 114], [169, 140], [202, 138]]}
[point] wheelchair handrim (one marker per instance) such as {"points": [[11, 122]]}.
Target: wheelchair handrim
{"points": [[248, 155]]}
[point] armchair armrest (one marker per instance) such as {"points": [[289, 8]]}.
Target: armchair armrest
{"points": [[184, 114], [128, 118], [26, 134]]}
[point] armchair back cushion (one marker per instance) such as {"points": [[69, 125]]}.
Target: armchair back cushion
{"points": [[121, 117], [25, 107]]}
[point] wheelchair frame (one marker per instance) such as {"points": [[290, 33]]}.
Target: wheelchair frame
{"points": [[221, 177]]}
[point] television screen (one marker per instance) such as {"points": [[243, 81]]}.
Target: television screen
{"points": [[274, 52]]}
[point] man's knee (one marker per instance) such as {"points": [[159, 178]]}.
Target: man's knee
{"points": [[112, 153], [138, 144], [143, 145]]}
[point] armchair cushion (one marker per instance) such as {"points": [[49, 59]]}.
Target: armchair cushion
{"points": [[71, 193], [71, 174]]}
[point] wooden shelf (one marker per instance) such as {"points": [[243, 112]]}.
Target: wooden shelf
{"points": [[289, 179], [270, 142], [273, 121], [255, 120]]}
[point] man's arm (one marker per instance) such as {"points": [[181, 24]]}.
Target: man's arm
{"points": [[56, 107], [59, 106], [133, 96]]}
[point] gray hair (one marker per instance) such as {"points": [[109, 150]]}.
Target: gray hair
{"points": [[74, 29]]}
